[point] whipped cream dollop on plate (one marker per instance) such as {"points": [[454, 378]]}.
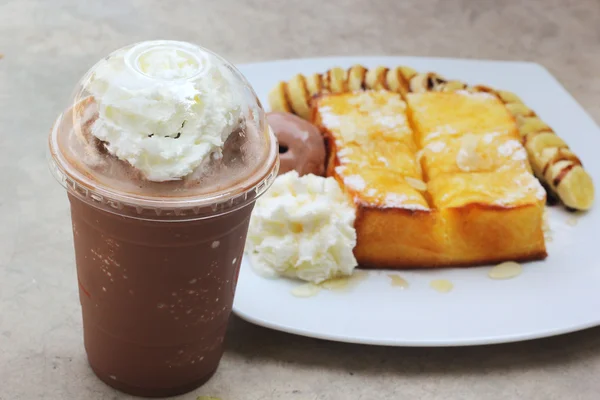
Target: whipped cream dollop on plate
{"points": [[164, 108], [303, 227]]}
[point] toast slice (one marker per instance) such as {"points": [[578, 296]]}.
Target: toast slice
{"points": [[432, 189]]}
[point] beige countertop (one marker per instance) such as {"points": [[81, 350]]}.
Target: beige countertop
{"points": [[48, 45]]}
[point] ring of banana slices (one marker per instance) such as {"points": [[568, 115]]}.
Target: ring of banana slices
{"points": [[553, 162]]}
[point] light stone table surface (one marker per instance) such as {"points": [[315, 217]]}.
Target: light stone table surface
{"points": [[48, 44]]}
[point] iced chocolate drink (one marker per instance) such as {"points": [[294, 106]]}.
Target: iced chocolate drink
{"points": [[163, 153]]}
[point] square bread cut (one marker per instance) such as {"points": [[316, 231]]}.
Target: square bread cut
{"points": [[440, 180]]}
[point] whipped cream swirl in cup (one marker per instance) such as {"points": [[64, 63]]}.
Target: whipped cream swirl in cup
{"points": [[164, 108]]}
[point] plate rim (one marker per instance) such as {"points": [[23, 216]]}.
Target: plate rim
{"points": [[469, 342]]}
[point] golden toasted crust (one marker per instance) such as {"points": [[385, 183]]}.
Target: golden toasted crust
{"points": [[407, 220], [468, 236]]}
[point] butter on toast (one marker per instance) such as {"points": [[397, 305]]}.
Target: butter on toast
{"points": [[432, 189]]}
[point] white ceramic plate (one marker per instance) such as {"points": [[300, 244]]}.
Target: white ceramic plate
{"points": [[558, 295]]}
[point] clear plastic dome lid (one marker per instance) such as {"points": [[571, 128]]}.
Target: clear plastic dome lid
{"points": [[165, 127]]}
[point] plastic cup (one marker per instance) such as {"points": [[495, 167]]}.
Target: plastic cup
{"points": [[157, 261]]}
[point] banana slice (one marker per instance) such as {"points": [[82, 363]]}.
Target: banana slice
{"points": [[508, 97], [396, 81], [564, 153], [452, 86], [314, 84], [543, 141], [356, 78], [418, 83], [426, 82], [576, 188], [482, 88], [298, 96], [529, 125], [541, 148], [555, 155], [376, 78], [325, 83], [278, 98], [408, 72], [337, 80], [520, 110], [560, 168]]}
